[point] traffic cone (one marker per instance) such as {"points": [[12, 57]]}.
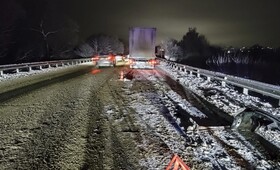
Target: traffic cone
{"points": [[121, 77], [178, 163]]}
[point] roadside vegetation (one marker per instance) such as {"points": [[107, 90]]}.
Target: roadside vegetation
{"points": [[28, 35], [255, 62]]}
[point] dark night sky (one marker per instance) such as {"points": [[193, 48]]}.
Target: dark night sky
{"points": [[223, 22]]}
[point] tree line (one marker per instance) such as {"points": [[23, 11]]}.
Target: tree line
{"points": [[38, 30], [35, 30], [255, 62], [100, 44]]}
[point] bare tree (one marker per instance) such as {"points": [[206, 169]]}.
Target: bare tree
{"points": [[85, 50], [10, 13], [5, 41], [93, 42], [173, 52], [45, 35], [63, 43], [26, 56], [104, 44], [119, 49]]}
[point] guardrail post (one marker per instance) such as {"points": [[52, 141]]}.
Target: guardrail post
{"points": [[245, 91], [191, 73], [56, 65], [279, 102], [49, 66], [1, 73], [40, 67], [198, 74], [185, 70], [17, 70], [223, 82], [208, 78], [29, 68]]}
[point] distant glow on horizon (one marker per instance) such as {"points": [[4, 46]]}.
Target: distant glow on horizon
{"points": [[219, 22]]}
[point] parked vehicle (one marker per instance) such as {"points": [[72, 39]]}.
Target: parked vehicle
{"points": [[142, 47], [104, 60], [121, 60]]}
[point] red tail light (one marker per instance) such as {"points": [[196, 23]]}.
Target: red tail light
{"points": [[95, 58], [131, 61], [152, 62], [111, 57]]}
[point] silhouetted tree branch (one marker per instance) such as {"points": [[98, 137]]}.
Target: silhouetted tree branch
{"points": [[45, 34]]}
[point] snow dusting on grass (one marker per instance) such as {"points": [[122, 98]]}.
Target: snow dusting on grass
{"points": [[199, 149], [225, 98], [11, 76], [185, 105], [231, 102]]}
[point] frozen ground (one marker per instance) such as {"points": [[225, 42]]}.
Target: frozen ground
{"points": [[199, 147], [225, 98], [139, 113], [75, 123]]}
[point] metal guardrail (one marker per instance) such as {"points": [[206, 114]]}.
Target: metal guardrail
{"points": [[246, 84], [40, 65]]}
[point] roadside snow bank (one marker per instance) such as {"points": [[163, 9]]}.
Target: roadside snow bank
{"points": [[225, 98], [11, 76], [154, 107]]}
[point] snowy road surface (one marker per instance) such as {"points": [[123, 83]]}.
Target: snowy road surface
{"points": [[88, 119]]}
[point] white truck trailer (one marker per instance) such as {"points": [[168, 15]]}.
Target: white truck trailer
{"points": [[142, 47]]}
